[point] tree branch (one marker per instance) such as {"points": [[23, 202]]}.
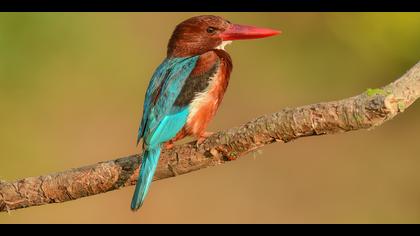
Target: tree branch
{"points": [[367, 110]]}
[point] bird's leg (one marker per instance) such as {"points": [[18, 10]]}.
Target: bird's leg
{"points": [[203, 136], [169, 144]]}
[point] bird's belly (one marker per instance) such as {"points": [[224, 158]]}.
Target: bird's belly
{"points": [[204, 106], [198, 121]]}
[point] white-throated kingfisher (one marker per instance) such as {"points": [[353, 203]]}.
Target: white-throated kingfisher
{"points": [[187, 88]]}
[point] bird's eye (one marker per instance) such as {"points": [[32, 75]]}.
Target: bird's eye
{"points": [[211, 30]]}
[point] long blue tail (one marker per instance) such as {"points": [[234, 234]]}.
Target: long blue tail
{"points": [[147, 170]]}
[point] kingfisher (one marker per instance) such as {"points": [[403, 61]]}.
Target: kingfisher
{"points": [[187, 88]]}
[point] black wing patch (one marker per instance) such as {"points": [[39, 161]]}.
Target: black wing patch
{"points": [[195, 84]]}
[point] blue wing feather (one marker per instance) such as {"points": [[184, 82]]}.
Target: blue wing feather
{"points": [[169, 77], [168, 127], [154, 83]]}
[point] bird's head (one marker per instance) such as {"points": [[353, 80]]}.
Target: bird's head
{"points": [[200, 34]]}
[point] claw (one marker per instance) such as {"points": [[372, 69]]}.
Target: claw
{"points": [[203, 137], [168, 145]]}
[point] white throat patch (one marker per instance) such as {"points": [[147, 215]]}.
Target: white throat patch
{"points": [[223, 45]]}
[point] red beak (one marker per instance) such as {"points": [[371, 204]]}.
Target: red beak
{"points": [[235, 32]]}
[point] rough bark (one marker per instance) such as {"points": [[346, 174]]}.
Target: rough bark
{"points": [[364, 111]]}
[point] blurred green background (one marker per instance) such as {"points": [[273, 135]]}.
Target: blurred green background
{"points": [[71, 94]]}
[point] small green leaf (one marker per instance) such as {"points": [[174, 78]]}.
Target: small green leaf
{"points": [[401, 106], [372, 92]]}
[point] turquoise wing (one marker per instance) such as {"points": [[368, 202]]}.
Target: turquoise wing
{"points": [[161, 119]]}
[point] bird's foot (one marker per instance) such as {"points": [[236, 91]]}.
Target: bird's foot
{"points": [[203, 137], [168, 145]]}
